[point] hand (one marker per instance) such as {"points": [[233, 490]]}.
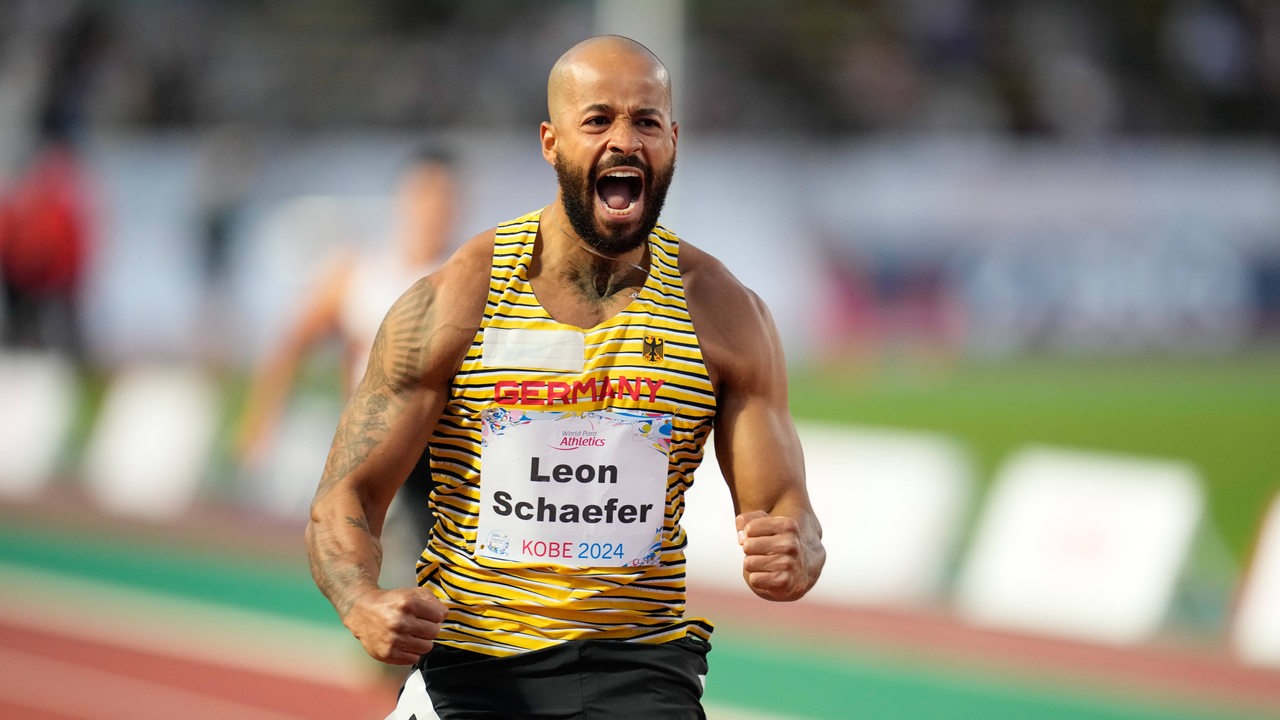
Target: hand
{"points": [[777, 564], [396, 626]]}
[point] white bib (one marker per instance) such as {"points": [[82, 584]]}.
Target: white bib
{"points": [[573, 488]]}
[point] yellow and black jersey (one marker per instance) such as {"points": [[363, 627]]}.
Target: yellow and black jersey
{"points": [[644, 362]]}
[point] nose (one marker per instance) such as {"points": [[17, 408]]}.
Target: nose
{"points": [[623, 138]]}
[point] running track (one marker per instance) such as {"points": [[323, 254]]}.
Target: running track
{"points": [[102, 621], [56, 676]]}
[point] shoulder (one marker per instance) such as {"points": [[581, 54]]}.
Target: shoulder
{"points": [[733, 324], [713, 292], [465, 275], [430, 327]]}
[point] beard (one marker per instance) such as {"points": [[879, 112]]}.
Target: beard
{"points": [[578, 189]]}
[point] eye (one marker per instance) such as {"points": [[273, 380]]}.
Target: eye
{"points": [[596, 121]]}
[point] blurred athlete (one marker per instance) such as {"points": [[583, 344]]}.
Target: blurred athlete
{"points": [[566, 370], [347, 303]]}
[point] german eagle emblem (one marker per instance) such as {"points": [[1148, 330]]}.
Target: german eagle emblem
{"points": [[653, 348]]}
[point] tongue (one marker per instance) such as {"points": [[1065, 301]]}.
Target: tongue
{"points": [[616, 194]]}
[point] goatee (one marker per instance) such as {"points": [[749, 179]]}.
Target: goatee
{"points": [[578, 190]]}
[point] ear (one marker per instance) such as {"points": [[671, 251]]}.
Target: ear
{"points": [[547, 133]]}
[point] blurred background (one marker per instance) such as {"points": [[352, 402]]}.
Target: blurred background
{"points": [[1024, 256]]}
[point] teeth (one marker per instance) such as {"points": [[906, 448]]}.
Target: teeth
{"points": [[623, 173], [623, 211]]}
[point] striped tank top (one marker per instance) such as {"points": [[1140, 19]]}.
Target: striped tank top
{"points": [[641, 370]]}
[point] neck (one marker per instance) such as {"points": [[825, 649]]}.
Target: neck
{"points": [[596, 276]]}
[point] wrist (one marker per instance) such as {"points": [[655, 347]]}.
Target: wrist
{"points": [[352, 599]]}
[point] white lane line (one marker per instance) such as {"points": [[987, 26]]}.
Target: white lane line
{"points": [[86, 692], [724, 712]]}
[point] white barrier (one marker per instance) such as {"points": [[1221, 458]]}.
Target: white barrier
{"points": [[1081, 544], [38, 395], [151, 444], [891, 505], [1256, 630]]}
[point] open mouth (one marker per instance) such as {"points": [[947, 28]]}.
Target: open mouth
{"points": [[620, 189]]}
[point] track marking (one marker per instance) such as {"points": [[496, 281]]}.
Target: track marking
{"points": [[724, 712]]}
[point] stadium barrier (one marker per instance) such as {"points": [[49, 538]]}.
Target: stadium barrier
{"points": [[40, 391], [1071, 543], [152, 442], [1255, 632], [891, 503], [1081, 544]]}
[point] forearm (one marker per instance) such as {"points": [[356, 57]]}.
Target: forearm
{"points": [[345, 555], [263, 403], [373, 444]]}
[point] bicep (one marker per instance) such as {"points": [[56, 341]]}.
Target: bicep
{"points": [[385, 425]]}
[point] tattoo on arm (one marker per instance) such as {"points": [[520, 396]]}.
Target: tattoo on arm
{"points": [[397, 363], [346, 563]]}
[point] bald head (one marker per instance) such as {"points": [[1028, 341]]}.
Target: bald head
{"points": [[596, 56]]}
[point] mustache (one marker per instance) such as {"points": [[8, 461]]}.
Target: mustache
{"points": [[617, 161]]}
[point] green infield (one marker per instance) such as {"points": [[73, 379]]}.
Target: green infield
{"points": [[1222, 415]]}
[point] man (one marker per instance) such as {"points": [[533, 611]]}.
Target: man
{"points": [[346, 303], [351, 293], [553, 365]]}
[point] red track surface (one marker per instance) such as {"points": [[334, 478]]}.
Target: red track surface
{"points": [[54, 676]]}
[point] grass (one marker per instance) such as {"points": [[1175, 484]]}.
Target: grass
{"points": [[1222, 415]]}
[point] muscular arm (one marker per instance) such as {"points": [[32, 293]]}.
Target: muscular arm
{"points": [[756, 441], [381, 433]]}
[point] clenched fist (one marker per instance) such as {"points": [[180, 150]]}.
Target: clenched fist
{"points": [[396, 626], [779, 563]]}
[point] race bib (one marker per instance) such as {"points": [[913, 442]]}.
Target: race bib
{"points": [[573, 488]]}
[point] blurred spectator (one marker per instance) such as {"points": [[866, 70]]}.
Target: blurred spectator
{"points": [[347, 303], [351, 294], [44, 246], [45, 237]]}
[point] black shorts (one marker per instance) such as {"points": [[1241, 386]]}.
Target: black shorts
{"points": [[580, 680]]}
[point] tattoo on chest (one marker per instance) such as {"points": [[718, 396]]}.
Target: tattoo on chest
{"points": [[601, 285]]}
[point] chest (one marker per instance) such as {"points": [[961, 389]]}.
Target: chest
{"points": [[581, 307]]}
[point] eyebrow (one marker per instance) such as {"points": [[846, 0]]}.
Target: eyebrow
{"points": [[606, 108]]}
